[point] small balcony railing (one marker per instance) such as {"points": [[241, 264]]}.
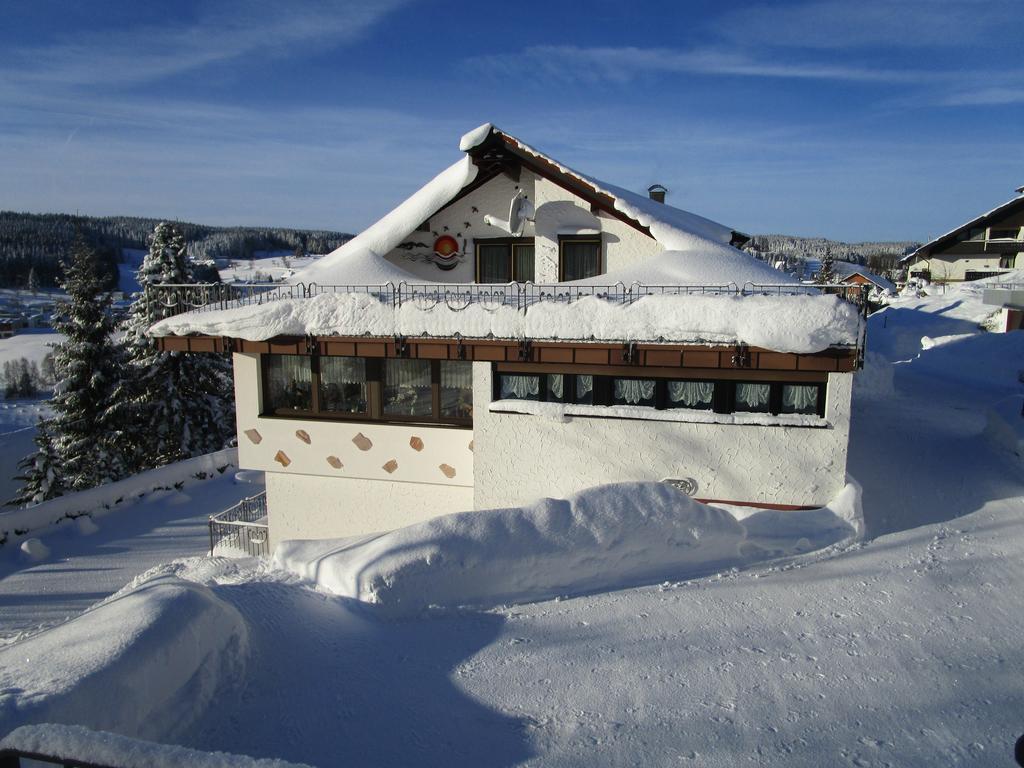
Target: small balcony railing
{"points": [[242, 528]]}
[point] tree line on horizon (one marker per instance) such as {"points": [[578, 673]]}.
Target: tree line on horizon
{"points": [[37, 242], [121, 405]]}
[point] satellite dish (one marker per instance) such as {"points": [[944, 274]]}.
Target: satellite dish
{"points": [[520, 211]]}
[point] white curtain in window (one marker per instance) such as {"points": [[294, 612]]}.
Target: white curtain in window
{"points": [[799, 399], [556, 385], [753, 395], [634, 391], [519, 387], [407, 373], [456, 375], [342, 370], [584, 386], [691, 393]]}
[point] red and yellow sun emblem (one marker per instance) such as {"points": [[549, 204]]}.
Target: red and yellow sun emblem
{"points": [[446, 252]]}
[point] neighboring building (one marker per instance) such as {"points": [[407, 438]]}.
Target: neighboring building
{"points": [[855, 274], [988, 245], [7, 329], [612, 338], [1009, 297]]}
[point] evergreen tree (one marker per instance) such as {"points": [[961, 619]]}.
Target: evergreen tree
{"points": [[82, 434], [33, 281], [41, 471], [178, 404], [827, 273]]}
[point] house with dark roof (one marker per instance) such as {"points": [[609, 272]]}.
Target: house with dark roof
{"points": [[517, 329], [987, 245]]}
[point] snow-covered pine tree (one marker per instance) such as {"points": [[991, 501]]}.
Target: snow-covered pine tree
{"points": [[33, 281], [84, 439], [827, 273], [41, 471], [179, 404]]}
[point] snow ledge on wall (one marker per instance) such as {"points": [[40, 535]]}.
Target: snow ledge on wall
{"points": [[565, 411]]}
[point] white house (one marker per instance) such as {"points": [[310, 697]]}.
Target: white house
{"points": [[987, 245], [516, 329]]}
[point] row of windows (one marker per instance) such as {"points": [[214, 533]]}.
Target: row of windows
{"points": [[354, 387], [503, 260], [693, 394]]}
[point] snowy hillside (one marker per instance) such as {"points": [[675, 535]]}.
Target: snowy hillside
{"points": [[901, 648]]}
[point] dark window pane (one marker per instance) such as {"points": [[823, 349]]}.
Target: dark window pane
{"points": [[585, 390], [580, 259], [407, 390], [691, 394], [343, 384], [524, 264], [799, 398], [633, 392], [456, 389], [558, 385], [494, 263], [289, 383], [753, 398], [515, 387]]}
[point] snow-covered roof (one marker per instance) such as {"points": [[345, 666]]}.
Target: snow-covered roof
{"points": [[846, 269], [927, 248], [698, 250]]}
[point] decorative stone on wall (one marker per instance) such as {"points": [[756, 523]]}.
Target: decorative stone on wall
{"points": [[470, 445], [362, 442], [447, 470], [282, 458], [416, 443], [335, 462], [303, 435], [390, 467], [254, 436]]}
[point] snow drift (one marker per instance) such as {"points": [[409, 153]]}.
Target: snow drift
{"points": [[607, 537], [145, 662], [802, 324], [80, 745]]}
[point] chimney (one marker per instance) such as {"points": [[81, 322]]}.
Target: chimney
{"points": [[657, 193]]}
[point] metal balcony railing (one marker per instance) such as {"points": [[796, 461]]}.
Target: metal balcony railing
{"points": [[242, 528], [168, 300]]}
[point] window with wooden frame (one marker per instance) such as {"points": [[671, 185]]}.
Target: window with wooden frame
{"points": [[505, 260], [579, 257], [663, 393], [390, 390]]}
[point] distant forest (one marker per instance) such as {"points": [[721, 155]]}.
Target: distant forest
{"points": [[877, 256], [38, 242]]}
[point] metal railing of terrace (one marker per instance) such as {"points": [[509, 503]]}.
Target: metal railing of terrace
{"points": [[242, 527], [168, 300]]}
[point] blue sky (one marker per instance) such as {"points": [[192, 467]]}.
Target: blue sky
{"points": [[875, 119]]}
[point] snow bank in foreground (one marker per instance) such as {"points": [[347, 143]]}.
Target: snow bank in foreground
{"points": [[607, 537], [781, 323], [145, 662], [82, 745]]}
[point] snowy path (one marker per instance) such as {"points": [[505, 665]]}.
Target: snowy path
{"points": [[84, 569]]}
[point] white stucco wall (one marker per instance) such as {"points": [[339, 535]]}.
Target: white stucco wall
{"points": [[380, 475], [311, 507], [949, 267], [556, 212], [519, 457]]}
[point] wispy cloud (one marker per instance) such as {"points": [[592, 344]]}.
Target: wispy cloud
{"points": [[990, 96], [624, 64], [836, 24], [225, 32]]}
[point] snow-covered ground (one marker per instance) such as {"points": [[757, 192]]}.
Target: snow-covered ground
{"points": [[277, 265], [902, 649]]}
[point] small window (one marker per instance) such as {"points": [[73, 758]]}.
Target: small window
{"points": [[559, 387], [800, 398], [699, 395], [343, 384], [585, 389], [516, 387], [753, 398], [579, 257], [502, 261], [456, 389], [633, 392], [407, 388], [289, 383], [1004, 234]]}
